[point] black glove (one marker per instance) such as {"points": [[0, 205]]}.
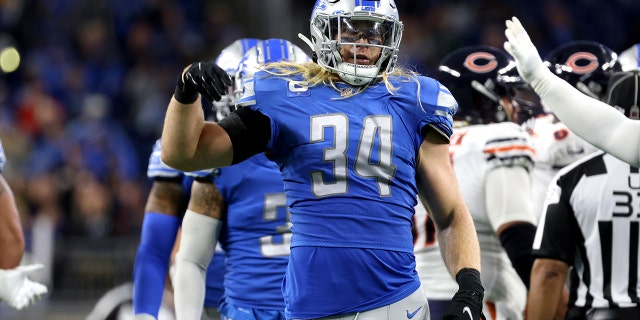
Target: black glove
{"points": [[205, 78], [467, 302]]}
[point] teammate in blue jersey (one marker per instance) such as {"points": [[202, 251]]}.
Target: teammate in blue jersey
{"points": [[15, 287], [163, 217], [356, 138], [170, 192], [256, 233]]}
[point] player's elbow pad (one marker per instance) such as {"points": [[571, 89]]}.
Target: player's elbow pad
{"points": [[517, 241]]}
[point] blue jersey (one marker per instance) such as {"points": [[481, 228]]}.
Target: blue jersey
{"points": [[256, 234], [215, 273], [348, 166]]}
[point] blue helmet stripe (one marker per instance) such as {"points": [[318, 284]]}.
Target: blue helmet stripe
{"points": [[368, 3], [270, 49], [248, 44]]}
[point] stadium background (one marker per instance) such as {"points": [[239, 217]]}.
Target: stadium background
{"points": [[79, 114]]}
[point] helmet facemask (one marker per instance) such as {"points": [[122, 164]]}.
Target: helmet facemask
{"points": [[375, 28]]}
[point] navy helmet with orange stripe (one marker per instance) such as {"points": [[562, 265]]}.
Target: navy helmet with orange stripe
{"points": [[587, 65], [470, 74]]}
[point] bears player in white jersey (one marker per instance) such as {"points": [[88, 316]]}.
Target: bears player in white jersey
{"points": [[492, 156]]}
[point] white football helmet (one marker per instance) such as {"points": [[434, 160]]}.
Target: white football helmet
{"points": [[333, 26], [229, 59], [267, 51]]}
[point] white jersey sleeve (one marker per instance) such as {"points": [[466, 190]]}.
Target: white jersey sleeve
{"points": [[591, 119], [476, 152], [501, 152]]}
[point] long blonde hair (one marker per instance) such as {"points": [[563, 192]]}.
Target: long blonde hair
{"points": [[313, 75]]}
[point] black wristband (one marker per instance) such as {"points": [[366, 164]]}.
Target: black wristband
{"points": [[185, 94], [469, 279]]}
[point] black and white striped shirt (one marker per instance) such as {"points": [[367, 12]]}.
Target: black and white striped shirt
{"points": [[591, 222]]}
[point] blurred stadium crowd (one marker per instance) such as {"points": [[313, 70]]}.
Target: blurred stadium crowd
{"points": [[79, 116]]}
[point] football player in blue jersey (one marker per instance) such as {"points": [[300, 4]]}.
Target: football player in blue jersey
{"points": [[255, 234], [15, 288], [166, 203], [355, 138]]}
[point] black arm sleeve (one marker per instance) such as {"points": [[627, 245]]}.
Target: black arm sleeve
{"points": [[249, 132], [517, 241]]}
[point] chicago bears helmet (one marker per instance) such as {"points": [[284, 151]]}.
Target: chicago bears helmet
{"points": [[338, 23], [586, 65], [624, 92], [470, 74], [267, 51], [228, 60]]}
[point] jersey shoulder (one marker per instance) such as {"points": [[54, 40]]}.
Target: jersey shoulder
{"points": [[264, 84], [425, 92], [501, 144], [428, 99]]}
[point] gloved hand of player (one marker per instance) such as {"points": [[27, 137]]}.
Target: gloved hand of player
{"points": [[519, 45], [205, 78], [17, 290], [467, 302]]}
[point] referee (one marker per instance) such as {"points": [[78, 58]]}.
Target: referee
{"points": [[591, 223]]}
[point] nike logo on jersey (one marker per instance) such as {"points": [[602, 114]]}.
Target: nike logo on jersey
{"points": [[468, 311], [413, 314]]}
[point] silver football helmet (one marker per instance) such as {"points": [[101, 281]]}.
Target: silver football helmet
{"points": [[267, 51], [229, 59], [337, 23]]}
